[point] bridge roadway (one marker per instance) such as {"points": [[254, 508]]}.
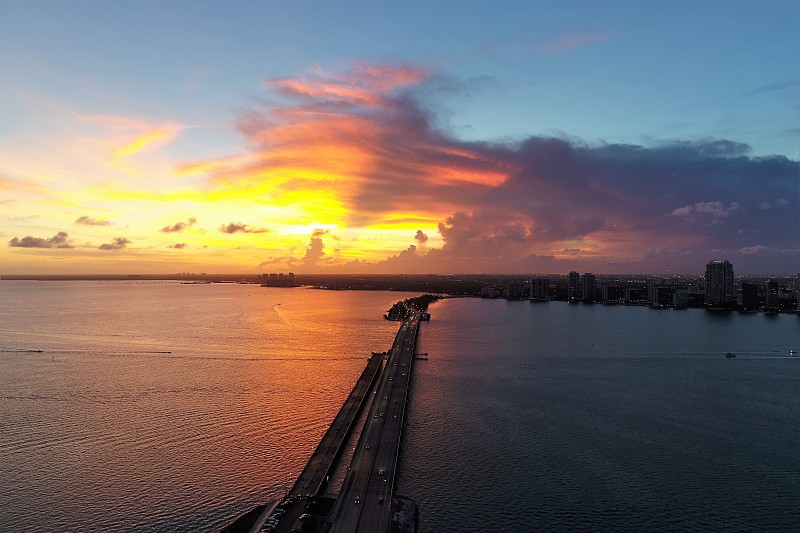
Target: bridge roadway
{"points": [[365, 501], [314, 476]]}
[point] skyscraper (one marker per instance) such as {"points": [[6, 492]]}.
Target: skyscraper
{"points": [[771, 298], [539, 287], [719, 285], [749, 296], [574, 292], [588, 287]]}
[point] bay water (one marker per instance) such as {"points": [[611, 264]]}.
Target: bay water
{"points": [[158, 406], [559, 417]]}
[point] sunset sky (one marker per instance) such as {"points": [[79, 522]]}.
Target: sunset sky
{"points": [[399, 137]]}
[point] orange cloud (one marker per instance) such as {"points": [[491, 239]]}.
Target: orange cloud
{"points": [[149, 140], [365, 84], [140, 143], [362, 151], [361, 141]]}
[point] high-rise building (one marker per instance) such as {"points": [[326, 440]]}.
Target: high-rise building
{"points": [[652, 284], [749, 296], [515, 290], [574, 291], [720, 292], [662, 296], [612, 294], [680, 298], [771, 299], [588, 287], [539, 287], [635, 296]]}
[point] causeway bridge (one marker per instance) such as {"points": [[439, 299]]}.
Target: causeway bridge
{"points": [[366, 501]]}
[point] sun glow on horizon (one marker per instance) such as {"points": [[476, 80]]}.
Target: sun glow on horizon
{"points": [[350, 170]]}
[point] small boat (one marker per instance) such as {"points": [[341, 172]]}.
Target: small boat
{"points": [[728, 355]]}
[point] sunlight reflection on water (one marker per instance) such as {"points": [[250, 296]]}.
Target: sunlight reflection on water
{"points": [[167, 406]]}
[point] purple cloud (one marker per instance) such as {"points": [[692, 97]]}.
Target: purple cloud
{"points": [[179, 226], [59, 240], [89, 221], [238, 227], [117, 244], [516, 206], [714, 209]]}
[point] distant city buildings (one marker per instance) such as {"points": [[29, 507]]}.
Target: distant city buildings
{"points": [[574, 287], [515, 290], [635, 296], [613, 293], [278, 280], [680, 298], [588, 287], [720, 292], [540, 288], [771, 297], [717, 289], [749, 297], [661, 296]]}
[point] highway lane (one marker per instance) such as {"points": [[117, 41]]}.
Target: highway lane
{"points": [[365, 501], [313, 477]]}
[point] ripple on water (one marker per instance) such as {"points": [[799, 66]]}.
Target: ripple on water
{"points": [[127, 439]]}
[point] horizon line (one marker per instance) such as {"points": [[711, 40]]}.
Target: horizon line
{"points": [[241, 275]]}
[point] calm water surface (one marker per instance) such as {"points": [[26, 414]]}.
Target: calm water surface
{"points": [[557, 417], [101, 431], [527, 417]]}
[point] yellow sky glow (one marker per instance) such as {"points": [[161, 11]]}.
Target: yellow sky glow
{"points": [[311, 187]]}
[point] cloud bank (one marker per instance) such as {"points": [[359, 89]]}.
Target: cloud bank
{"points": [[89, 221], [59, 240], [238, 227], [179, 226], [371, 138], [117, 244]]}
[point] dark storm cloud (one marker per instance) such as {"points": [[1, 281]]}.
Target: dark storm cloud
{"points": [[680, 200], [117, 244], [634, 185], [59, 240]]}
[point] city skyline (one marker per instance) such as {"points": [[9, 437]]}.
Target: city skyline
{"points": [[537, 137]]}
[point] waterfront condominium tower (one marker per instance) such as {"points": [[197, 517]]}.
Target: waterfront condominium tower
{"points": [[574, 292], [588, 287], [772, 300], [719, 284]]}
